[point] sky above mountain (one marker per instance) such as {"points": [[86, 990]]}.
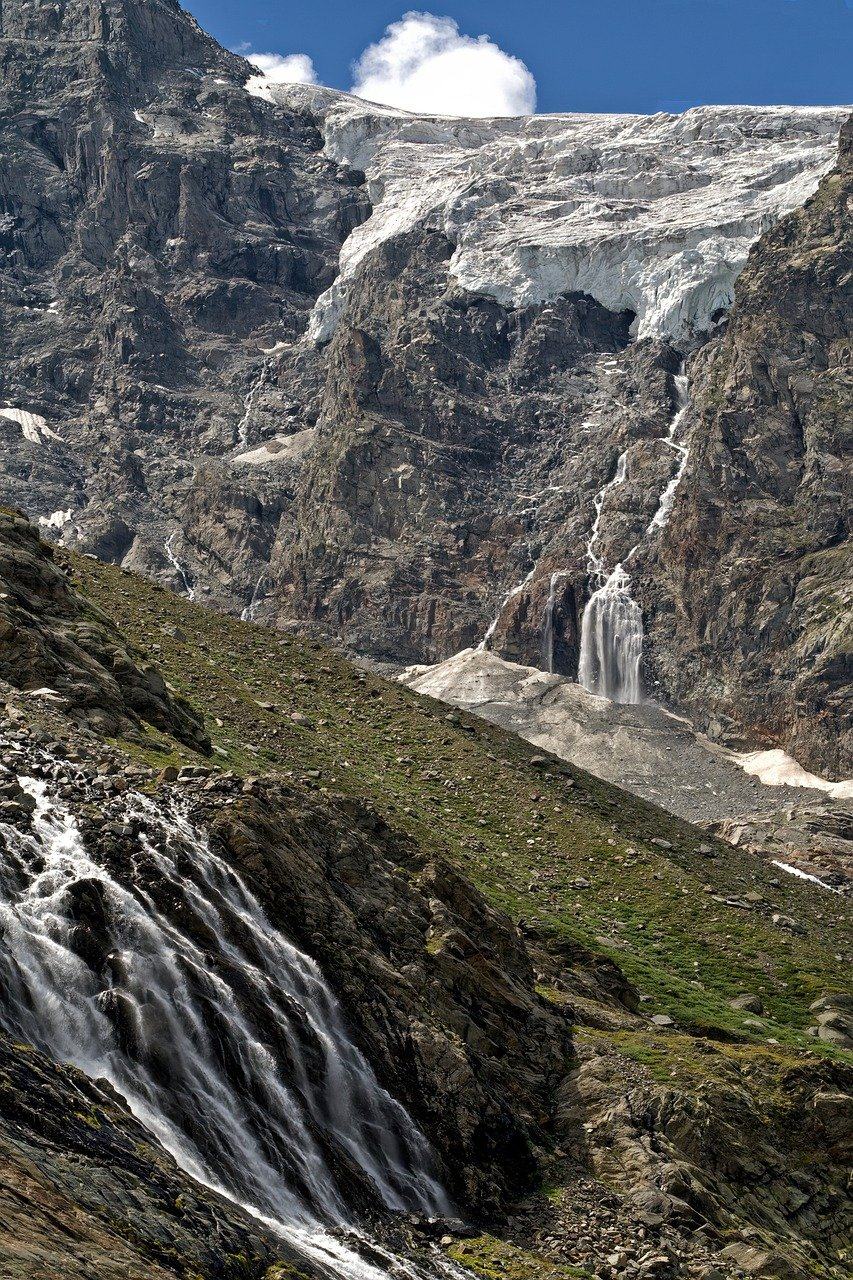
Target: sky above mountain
{"points": [[483, 57]]}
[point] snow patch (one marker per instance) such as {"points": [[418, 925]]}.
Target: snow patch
{"points": [[56, 520], [804, 875], [777, 769], [33, 426], [280, 449]]}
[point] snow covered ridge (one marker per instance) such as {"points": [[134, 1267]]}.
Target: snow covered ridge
{"points": [[655, 214]]}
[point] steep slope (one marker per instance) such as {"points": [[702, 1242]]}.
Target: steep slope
{"points": [[353, 847], [750, 613], [160, 231], [333, 365], [86, 1192], [55, 645]]}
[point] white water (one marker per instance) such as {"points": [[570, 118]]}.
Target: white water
{"points": [[595, 564], [258, 597], [548, 628], [612, 624], [223, 1038], [249, 403], [612, 642], [667, 498], [510, 595], [178, 567]]}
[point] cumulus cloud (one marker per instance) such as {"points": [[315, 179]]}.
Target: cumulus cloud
{"points": [[423, 63], [289, 68]]}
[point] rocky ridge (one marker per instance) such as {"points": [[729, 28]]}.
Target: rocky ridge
{"points": [[57, 647]]}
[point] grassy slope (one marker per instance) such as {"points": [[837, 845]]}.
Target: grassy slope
{"points": [[523, 834]]}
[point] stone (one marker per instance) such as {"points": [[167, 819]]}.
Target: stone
{"points": [[749, 1003]]}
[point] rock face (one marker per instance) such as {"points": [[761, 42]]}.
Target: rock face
{"points": [[60, 648], [160, 231], [86, 1191], [438, 985], [334, 366], [751, 605], [269, 971]]}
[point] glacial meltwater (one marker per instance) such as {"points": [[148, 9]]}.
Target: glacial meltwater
{"points": [[224, 1039], [611, 648]]}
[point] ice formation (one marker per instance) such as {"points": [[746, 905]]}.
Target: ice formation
{"points": [[33, 426], [655, 214]]}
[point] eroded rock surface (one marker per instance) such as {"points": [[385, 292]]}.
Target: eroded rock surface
{"points": [[748, 598], [58, 647]]}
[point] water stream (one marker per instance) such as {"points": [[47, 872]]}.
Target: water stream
{"points": [[224, 1039], [258, 597], [612, 626], [182, 573]]}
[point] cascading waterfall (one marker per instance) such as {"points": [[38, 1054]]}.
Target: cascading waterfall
{"points": [[254, 391], [612, 625], [251, 609], [612, 641], [168, 547], [667, 499], [195, 1023]]}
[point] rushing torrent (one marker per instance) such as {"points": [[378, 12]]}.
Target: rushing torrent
{"points": [[224, 1039], [612, 641]]}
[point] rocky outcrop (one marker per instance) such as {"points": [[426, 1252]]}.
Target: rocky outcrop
{"points": [[57, 646], [438, 986], [748, 597], [434, 396], [86, 1191], [719, 1157], [160, 233]]}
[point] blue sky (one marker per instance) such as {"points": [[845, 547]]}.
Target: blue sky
{"points": [[585, 55]]}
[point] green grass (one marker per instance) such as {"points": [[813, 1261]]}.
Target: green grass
{"points": [[467, 790], [496, 1259]]}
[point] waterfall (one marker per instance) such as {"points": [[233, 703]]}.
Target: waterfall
{"points": [[612, 624], [178, 567], [612, 641], [595, 563], [249, 403], [667, 498], [547, 657], [510, 595], [251, 609], [223, 1038]]}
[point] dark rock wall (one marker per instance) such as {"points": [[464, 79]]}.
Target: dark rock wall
{"points": [[163, 238]]}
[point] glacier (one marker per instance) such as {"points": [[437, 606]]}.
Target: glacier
{"points": [[652, 214]]}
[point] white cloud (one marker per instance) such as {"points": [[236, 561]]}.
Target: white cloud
{"points": [[423, 63], [290, 68]]}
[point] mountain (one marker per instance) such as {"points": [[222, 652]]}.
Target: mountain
{"points": [[305, 973], [367, 373]]}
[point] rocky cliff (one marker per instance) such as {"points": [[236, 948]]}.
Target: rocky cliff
{"points": [[751, 605], [343, 368]]}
